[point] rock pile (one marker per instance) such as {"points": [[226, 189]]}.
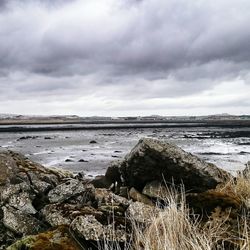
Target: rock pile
{"points": [[55, 210]]}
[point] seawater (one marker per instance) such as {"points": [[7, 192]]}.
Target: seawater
{"points": [[72, 150]]}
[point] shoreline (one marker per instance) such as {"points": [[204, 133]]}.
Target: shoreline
{"points": [[37, 127]]}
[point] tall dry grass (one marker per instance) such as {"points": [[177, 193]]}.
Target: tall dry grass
{"points": [[177, 228]]}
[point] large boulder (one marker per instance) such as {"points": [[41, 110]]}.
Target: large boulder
{"points": [[152, 160]]}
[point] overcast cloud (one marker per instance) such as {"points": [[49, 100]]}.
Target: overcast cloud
{"points": [[125, 57]]}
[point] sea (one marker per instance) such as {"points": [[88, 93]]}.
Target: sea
{"points": [[90, 151]]}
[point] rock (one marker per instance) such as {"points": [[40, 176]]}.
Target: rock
{"points": [[22, 202], [89, 228], [246, 171], [82, 160], [67, 190], [137, 196], [20, 223], [142, 213], [93, 142], [154, 160], [124, 192], [69, 160], [100, 182], [115, 156], [111, 176], [64, 214], [47, 138], [59, 238], [155, 189], [27, 137], [16, 169], [106, 197]]}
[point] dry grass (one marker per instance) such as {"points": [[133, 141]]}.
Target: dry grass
{"points": [[176, 228]]}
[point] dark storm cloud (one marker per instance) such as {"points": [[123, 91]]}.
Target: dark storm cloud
{"points": [[174, 48]]}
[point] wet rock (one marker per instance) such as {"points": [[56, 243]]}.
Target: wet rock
{"points": [[89, 228], [64, 214], [137, 196], [27, 137], [154, 160], [59, 238], [20, 222], [48, 138], [82, 160], [67, 190], [115, 156], [69, 160], [142, 213], [155, 189]]}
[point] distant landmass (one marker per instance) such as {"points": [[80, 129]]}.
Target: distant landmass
{"points": [[60, 119]]}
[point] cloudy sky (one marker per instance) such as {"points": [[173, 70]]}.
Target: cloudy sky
{"points": [[125, 57]]}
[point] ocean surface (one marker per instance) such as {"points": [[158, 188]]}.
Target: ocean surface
{"points": [[228, 148]]}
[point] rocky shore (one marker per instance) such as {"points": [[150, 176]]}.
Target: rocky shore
{"points": [[44, 208]]}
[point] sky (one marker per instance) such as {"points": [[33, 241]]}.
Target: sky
{"points": [[125, 57]]}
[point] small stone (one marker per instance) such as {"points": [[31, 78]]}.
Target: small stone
{"points": [[93, 142], [155, 189], [137, 196], [141, 212]]}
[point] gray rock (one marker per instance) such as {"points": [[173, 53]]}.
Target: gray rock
{"points": [[9, 190], [19, 222], [55, 216], [142, 213], [67, 190], [89, 228], [22, 202], [137, 196], [154, 160], [64, 214]]}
